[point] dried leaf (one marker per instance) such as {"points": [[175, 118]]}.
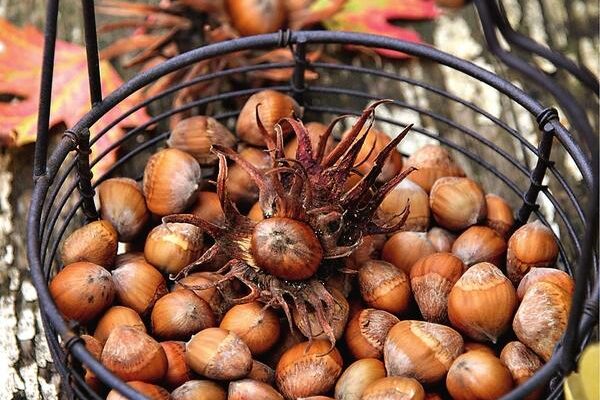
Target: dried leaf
{"points": [[375, 16], [20, 69]]}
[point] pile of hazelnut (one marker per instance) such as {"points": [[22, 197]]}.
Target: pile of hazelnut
{"points": [[456, 304]]}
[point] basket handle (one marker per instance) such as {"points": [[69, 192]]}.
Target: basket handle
{"points": [[93, 66]]}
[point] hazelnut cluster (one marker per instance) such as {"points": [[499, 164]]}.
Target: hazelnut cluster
{"points": [[319, 266]]}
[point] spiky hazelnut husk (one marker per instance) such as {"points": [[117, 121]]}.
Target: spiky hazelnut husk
{"points": [[312, 220]]}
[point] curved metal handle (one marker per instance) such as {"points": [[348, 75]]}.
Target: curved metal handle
{"points": [[93, 64]]}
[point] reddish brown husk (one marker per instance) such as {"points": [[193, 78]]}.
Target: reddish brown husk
{"points": [[310, 190]]}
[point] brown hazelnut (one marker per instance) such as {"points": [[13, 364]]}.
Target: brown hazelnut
{"points": [[478, 375], [171, 181], [248, 389], [272, 106], [199, 390], [122, 203], [95, 243], [457, 203], [208, 207], [421, 350], [431, 279], [82, 291], [315, 130], [366, 332], [240, 187], [406, 192], [394, 388], [262, 373], [403, 249], [196, 135], [432, 162], [499, 214], [357, 377], [138, 284], [308, 369], [373, 144], [180, 314], [482, 303], [178, 372], [441, 239], [152, 392], [384, 286], [218, 354], [542, 317], [550, 275], [133, 355], [480, 244], [172, 246], [532, 245], [522, 364], [257, 325], [117, 316]]}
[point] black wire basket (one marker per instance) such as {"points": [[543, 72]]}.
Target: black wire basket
{"points": [[63, 195]]}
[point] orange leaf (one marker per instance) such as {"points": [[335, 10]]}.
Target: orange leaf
{"points": [[20, 69]]}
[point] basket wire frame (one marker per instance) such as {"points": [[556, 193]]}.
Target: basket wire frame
{"points": [[53, 189]]}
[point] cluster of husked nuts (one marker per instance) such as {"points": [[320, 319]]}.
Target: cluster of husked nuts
{"points": [[316, 267]]}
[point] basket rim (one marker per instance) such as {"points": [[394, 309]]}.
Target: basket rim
{"points": [[266, 41]]}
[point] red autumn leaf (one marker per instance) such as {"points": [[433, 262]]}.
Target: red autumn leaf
{"points": [[376, 16], [20, 69]]}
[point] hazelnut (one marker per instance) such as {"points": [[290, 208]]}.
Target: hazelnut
{"points": [[308, 369], [133, 355], [122, 204], [457, 203], [421, 350], [196, 135], [394, 388], [384, 286], [366, 332], [522, 364], [432, 162], [406, 192], [171, 181], [357, 377], [218, 354], [172, 246], [478, 375], [257, 325], [374, 143], [82, 291], [542, 317], [499, 214], [248, 389], [138, 284], [482, 302], [532, 245], [208, 207], [441, 239], [550, 275], [199, 390], [403, 249], [431, 279], [180, 314], [95, 243], [178, 372], [480, 244], [152, 392], [270, 106], [117, 316]]}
